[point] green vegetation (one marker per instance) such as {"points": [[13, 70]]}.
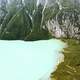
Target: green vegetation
{"points": [[24, 20], [70, 68]]}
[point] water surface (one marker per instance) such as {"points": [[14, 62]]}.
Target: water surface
{"points": [[35, 60]]}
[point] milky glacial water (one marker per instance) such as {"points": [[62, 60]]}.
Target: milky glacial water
{"points": [[20, 60]]}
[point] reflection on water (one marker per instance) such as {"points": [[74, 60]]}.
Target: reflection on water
{"points": [[35, 60]]}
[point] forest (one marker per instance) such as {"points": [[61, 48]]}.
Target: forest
{"points": [[35, 20]]}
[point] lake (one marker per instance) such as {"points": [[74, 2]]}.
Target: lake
{"points": [[36, 60]]}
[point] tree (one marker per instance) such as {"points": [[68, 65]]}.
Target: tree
{"points": [[3, 10], [17, 27], [37, 31]]}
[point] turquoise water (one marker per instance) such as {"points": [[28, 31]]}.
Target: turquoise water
{"points": [[36, 60]]}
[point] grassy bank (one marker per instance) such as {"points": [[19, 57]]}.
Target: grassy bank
{"points": [[70, 68]]}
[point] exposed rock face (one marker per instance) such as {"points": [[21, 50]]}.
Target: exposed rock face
{"points": [[66, 23], [54, 28]]}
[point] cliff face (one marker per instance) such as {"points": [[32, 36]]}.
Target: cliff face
{"points": [[66, 30], [66, 22]]}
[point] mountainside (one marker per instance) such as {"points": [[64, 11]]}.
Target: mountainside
{"points": [[53, 18]]}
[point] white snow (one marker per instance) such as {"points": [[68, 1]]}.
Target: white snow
{"points": [[20, 60]]}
